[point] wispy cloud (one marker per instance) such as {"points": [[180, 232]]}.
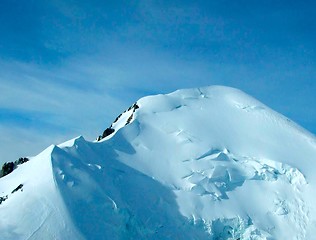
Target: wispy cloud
{"points": [[38, 105]]}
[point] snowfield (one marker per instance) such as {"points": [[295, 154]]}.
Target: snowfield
{"points": [[208, 163]]}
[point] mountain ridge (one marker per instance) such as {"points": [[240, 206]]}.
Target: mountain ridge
{"points": [[205, 163]]}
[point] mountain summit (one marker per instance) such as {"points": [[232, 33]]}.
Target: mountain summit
{"points": [[206, 163]]}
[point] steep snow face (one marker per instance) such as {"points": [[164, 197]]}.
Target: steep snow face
{"points": [[208, 163], [34, 208], [226, 156]]}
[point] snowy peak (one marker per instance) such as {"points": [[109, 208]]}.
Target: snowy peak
{"points": [[206, 163]]}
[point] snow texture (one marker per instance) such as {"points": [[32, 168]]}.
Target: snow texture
{"points": [[208, 163]]}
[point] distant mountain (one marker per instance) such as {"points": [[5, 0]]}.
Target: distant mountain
{"points": [[206, 163]]}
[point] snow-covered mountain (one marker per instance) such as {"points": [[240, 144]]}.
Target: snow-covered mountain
{"points": [[208, 163]]}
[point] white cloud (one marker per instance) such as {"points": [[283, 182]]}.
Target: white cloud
{"points": [[62, 110]]}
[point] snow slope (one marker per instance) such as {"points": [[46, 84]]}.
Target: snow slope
{"points": [[207, 163]]}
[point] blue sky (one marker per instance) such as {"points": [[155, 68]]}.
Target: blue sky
{"points": [[68, 68]]}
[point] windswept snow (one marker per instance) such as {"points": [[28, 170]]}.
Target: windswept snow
{"points": [[37, 210], [208, 163]]}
